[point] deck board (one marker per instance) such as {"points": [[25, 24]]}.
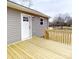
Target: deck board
{"points": [[38, 48], [55, 47]]}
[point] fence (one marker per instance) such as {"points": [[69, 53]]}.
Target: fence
{"points": [[63, 36]]}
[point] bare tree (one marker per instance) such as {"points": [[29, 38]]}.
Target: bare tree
{"points": [[27, 2], [58, 21], [62, 20], [68, 20]]}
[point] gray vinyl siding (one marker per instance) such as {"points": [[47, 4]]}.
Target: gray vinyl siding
{"points": [[13, 26], [38, 29]]}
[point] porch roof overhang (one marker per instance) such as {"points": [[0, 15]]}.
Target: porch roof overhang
{"points": [[19, 7]]}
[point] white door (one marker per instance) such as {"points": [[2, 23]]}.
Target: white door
{"points": [[25, 27]]}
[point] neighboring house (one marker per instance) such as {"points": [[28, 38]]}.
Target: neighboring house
{"points": [[23, 22]]}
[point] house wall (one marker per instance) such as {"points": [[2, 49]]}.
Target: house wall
{"points": [[14, 31], [13, 26], [38, 29]]}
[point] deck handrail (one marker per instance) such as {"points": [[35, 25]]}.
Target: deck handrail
{"points": [[63, 36]]}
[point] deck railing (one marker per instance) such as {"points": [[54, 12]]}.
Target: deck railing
{"points": [[63, 36]]}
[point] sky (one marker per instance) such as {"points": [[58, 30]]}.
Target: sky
{"points": [[52, 7]]}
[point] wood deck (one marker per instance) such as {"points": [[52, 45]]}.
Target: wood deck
{"points": [[38, 48]]}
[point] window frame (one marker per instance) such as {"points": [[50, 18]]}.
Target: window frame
{"points": [[41, 21]]}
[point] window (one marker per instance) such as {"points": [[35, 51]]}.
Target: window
{"points": [[41, 21], [25, 19]]}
